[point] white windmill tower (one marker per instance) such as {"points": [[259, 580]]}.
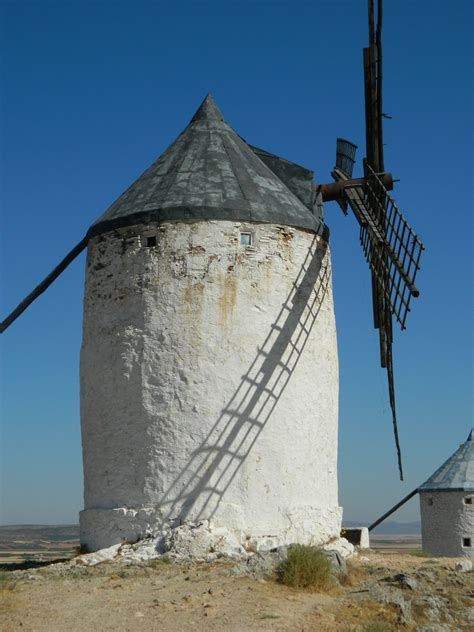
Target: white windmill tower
{"points": [[447, 505], [209, 373], [209, 378]]}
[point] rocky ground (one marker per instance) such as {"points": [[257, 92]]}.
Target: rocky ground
{"points": [[377, 591]]}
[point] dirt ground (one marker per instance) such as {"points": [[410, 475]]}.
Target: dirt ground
{"points": [[217, 597]]}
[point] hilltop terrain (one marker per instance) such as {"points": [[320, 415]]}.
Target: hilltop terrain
{"points": [[379, 591]]}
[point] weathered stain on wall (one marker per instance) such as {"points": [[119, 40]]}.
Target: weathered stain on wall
{"points": [[193, 298], [228, 296]]}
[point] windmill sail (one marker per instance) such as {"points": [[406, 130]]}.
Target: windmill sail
{"points": [[391, 247], [393, 251]]}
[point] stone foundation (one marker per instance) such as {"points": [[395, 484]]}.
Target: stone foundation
{"points": [[101, 528]]}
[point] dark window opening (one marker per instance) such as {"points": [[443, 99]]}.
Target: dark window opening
{"points": [[468, 500], [151, 241], [246, 239], [430, 501], [466, 542]]}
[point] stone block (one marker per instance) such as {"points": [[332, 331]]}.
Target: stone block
{"points": [[358, 536]]}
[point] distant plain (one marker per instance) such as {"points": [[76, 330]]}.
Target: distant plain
{"points": [[44, 543]]}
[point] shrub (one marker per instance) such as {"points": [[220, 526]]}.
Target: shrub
{"points": [[306, 567], [6, 581], [158, 562]]}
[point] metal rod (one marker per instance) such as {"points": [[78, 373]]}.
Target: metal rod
{"points": [[393, 509], [45, 283]]}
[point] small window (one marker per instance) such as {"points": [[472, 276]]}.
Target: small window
{"points": [[468, 500], [430, 502], [466, 542], [151, 241], [246, 239]]}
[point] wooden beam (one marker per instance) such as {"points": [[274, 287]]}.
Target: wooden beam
{"points": [[393, 509], [45, 283], [378, 41]]}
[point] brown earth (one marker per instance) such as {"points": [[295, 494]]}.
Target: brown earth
{"points": [[217, 597]]}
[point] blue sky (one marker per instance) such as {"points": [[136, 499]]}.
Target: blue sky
{"points": [[93, 92]]}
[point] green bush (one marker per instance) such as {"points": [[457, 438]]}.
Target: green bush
{"points": [[306, 567]]}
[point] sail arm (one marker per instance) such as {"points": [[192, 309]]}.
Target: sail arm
{"points": [[43, 286], [391, 392]]}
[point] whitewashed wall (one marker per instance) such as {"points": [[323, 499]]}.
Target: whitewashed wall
{"points": [[209, 383], [445, 521]]}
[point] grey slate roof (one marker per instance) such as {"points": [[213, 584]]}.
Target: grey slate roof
{"points": [[209, 172], [457, 474]]}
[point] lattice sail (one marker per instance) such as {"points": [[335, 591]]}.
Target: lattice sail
{"points": [[391, 247]]}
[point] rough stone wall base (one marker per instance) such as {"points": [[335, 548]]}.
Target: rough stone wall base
{"points": [[101, 528]]}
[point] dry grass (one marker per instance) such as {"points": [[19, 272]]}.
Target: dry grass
{"points": [[8, 600], [419, 553], [378, 627], [306, 567], [371, 627], [7, 584], [354, 576], [159, 562]]}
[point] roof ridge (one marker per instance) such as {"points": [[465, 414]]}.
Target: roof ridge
{"points": [[456, 473], [208, 111], [199, 178]]}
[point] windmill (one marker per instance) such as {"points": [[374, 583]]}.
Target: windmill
{"points": [[194, 240]]}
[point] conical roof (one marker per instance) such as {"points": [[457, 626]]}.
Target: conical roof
{"points": [[457, 474], [209, 172]]}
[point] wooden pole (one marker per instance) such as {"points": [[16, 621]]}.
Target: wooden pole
{"points": [[378, 41], [393, 509], [45, 283], [373, 76], [371, 22], [370, 73]]}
